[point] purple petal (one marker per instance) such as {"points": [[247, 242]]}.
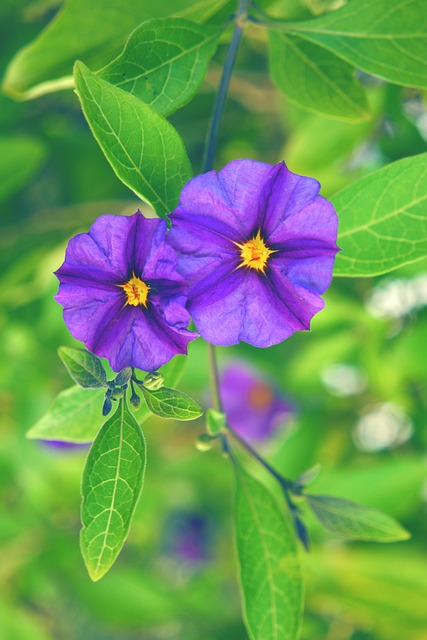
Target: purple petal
{"points": [[232, 196]]}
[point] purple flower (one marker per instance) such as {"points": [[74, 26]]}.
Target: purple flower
{"points": [[188, 536], [59, 445], [121, 294], [257, 247], [254, 408]]}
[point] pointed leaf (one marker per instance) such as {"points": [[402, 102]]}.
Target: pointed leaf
{"points": [[111, 485], [352, 520], [170, 403], [215, 422], [144, 150], [164, 62], [270, 574], [46, 64], [386, 38], [74, 416], [383, 219], [316, 80], [85, 368]]}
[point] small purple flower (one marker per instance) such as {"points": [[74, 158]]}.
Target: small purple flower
{"points": [[121, 294], [257, 247], [254, 408]]}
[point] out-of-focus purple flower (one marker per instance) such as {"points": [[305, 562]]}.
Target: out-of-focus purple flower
{"points": [[257, 246], [254, 408], [59, 445], [121, 294], [188, 537]]}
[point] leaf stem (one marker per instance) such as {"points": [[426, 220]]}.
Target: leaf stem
{"points": [[212, 137]]}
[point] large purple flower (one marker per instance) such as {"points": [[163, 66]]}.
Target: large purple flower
{"points": [[121, 294], [257, 247], [254, 408]]}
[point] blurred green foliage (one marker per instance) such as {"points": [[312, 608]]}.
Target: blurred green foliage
{"points": [[364, 423]]}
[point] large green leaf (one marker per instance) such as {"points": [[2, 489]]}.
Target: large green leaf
{"points": [[316, 80], [170, 403], [164, 62], [270, 574], [352, 520], [387, 38], [111, 485], [74, 416], [383, 219], [144, 150], [20, 158], [92, 30], [84, 367]]}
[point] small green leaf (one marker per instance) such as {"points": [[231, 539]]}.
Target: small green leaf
{"points": [[111, 485], [123, 377], [74, 416], [316, 80], [164, 62], [386, 38], [144, 150], [270, 573], [383, 219], [84, 368], [215, 422], [352, 520], [170, 403], [20, 158]]}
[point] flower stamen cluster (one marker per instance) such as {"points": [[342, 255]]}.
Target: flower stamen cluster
{"points": [[254, 253], [136, 291]]}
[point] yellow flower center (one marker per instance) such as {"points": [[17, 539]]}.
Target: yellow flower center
{"points": [[136, 291], [255, 253]]}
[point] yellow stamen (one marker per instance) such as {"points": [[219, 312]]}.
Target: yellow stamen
{"points": [[255, 253], [136, 291]]}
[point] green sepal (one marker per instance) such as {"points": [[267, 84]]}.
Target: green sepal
{"points": [[215, 422]]}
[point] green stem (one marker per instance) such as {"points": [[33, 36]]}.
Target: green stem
{"points": [[212, 137], [211, 144]]}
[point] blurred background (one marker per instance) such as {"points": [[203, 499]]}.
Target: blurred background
{"points": [[352, 393]]}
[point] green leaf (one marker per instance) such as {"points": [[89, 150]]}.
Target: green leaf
{"points": [[316, 80], [20, 158], [383, 219], [164, 62], [270, 574], [215, 422], [170, 403], [84, 368], [46, 64], [352, 520], [74, 416], [111, 485], [386, 38], [144, 150]]}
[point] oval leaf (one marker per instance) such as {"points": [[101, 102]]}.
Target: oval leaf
{"points": [[316, 80], [383, 219], [85, 368], [352, 520], [386, 38], [74, 416], [144, 150], [164, 62], [170, 403], [270, 574], [111, 485]]}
